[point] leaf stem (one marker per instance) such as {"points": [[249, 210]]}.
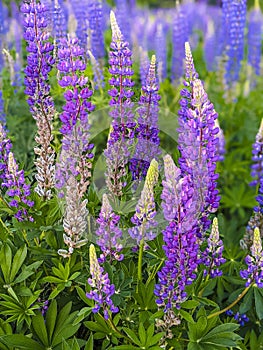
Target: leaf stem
{"points": [[232, 304], [140, 263]]}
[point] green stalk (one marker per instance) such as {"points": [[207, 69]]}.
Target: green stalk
{"points": [[232, 304], [140, 264]]}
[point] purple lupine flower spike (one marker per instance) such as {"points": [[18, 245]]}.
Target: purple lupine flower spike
{"points": [[13, 180], [40, 61], [96, 28], [75, 218], [179, 37], [145, 211], [147, 131], [256, 219], [98, 79], [254, 38], [102, 290], [179, 202], [212, 256], [108, 232], [254, 261], [144, 64], [59, 22], [198, 141], [75, 157], [121, 133], [234, 13]]}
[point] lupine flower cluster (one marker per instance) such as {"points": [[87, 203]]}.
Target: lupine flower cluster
{"points": [[121, 110], [254, 38], [254, 271], [59, 22], [40, 61], [102, 290], [256, 219], [145, 211], [146, 132], [96, 29], [240, 318], [180, 36], [108, 232], [13, 180], [212, 256], [234, 13], [75, 218], [75, 157], [198, 141], [181, 248]]}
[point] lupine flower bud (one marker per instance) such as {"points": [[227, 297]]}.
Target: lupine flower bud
{"points": [[145, 210], [102, 290], [254, 271]]}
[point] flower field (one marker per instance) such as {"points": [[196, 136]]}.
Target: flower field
{"points": [[131, 175]]}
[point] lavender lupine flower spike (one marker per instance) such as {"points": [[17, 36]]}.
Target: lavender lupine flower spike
{"points": [[76, 150], [145, 210], [179, 202], [40, 61], [121, 110], [212, 256], [254, 271], [109, 233], [147, 130], [13, 180], [75, 218], [102, 290]]}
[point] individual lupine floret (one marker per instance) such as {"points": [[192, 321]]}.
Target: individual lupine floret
{"points": [[145, 211], [180, 207], [254, 38], [117, 153], [102, 289], [13, 180], [212, 256], [75, 218], [254, 271], [198, 141], [108, 232], [40, 61], [147, 146], [75, 157]]}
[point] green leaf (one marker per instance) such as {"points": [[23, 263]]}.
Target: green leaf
{"points": [[258, 303], [125, 347], [39, 328], [28, 271], [22, 342], [63, 317], [186, 316], [132, 336], [142, 334], [155, 339], [6, 262], [18, 260], [51, 316], [190, 304], [89, 344]]}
